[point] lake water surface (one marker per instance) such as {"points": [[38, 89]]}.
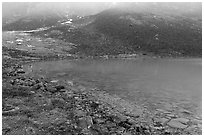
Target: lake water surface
{"points": [[172, 84]]}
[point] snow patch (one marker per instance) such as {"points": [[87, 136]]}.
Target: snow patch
{"points": [[19, 40], [67, 22], [39, 29]]}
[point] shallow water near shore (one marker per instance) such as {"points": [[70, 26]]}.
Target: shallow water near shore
{"points": [[174, 85]]}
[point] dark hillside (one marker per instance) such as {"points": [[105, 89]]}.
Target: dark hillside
{"points": [[115, 31], [126, 28], [152, 33]]}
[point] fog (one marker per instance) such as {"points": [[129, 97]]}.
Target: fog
{"points": [[90, 8]]}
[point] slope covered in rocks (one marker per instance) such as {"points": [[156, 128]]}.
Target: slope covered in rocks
{"points": [[163, 29], [115, 31]]}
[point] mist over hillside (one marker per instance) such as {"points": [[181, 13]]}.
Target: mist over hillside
{"points": [[18, 10], [173, 29]]}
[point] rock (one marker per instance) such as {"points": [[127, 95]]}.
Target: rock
{"points": [[120, 130], [198, 117], [186, 112], [12, 82], [37, 86], [68, 94], [132, 121], [94, 105], [79, 113], [104, 130], [28, 83], [110, 124], [182, 120], [51, 89], [160, 110], [81, 88], [59, 87], [58, 102], [20, 71], [89, 121], [122, 117], [10, 112], [70, 83], [33, 92], [191, 128], [196, 121], [99, 120], [63, 90], [163, 111], [199, 126], [33, 82], [176, 124], [158, 128], [125, 124], [85, 122], [19, 40], [54, 81], [167, 112], [116, 119], [167, 132], [5, 130], [163, 121], [7, 107], [30, 131], [171, 115], [76, 97], [127, 133], [51, 117]]}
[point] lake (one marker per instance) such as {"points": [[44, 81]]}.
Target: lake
{"points": [[172, 84]]}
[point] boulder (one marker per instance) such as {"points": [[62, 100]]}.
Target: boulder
{"points": [[79, 113], [10, 112], [70, 83], [51, 117], [62, 90], [54, 81], [186, 112], [59, 87], [99, 120], [85, 122], [37, 86], [175, 123], [182, 120], [20, 71], [163, 121], [51, 89], [58, 102]]}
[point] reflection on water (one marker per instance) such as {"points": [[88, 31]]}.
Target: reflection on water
{"points": [[151, 82]]}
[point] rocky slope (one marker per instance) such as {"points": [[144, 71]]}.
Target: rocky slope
{"points": [[34, 15], [115, 31], [164, 29]]}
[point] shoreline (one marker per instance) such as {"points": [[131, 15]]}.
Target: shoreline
{"points": [[130, 119], [42, 106]]}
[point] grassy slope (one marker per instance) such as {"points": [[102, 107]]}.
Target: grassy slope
{"points": [[115, 32], [174, 35]]}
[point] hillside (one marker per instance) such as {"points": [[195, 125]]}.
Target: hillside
{"points": [[33, 15], [150, 32], [104, 68], [125, 28], [118, 32]]}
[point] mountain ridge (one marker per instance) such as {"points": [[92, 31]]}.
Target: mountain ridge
{"points": [[117, 30]]}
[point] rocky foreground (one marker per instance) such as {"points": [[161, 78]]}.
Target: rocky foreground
{"points": [[39, 106], [34, 105]]}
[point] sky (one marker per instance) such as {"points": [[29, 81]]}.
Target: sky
{"points": [[90, 8]]}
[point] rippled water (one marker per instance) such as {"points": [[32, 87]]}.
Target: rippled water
{"points": [[154, 83]]}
